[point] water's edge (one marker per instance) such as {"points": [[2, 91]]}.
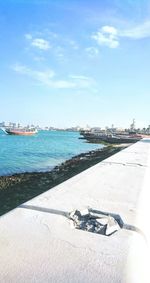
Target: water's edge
{"points": [[19, 188], [39, 153]]}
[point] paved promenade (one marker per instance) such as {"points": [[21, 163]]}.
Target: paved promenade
{"points": [[38, 244]]}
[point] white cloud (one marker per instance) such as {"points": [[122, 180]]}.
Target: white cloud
{"points": [[41, 76], [48, 78], [20, 69], [110, 30], [28, 36], [82, 81], [108, 36], [92, 51], [41, 43], [77, 77], [137, 32], [60, 84]]}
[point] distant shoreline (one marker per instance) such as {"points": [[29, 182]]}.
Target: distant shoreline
{"points": [[18, 188]]}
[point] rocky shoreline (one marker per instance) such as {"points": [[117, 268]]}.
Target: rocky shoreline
{"points": [[19, 188]]}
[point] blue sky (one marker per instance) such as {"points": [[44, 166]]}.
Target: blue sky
{"points": [[75, 62]]}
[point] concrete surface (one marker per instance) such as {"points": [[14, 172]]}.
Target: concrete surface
{"points": [[37, 243]]}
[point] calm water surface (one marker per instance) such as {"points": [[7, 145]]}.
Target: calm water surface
{"points": [[40, 152]]}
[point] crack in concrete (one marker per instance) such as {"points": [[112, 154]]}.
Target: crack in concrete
{"points": [[126, 164], [67, 215], [134, 229]]}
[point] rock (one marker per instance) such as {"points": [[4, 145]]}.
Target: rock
{"points": [[112, 226], [90, 227], [75, 214], [84, 212], [99, 229], [102, 221], [86, 221]]}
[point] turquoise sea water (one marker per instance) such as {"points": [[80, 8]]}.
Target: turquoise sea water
{"points": [[40, 152]]}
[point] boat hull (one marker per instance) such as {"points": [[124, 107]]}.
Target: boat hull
{"points": [[20, 133], [97, 138]]}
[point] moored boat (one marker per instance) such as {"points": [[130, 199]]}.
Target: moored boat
{"points": [[112, 138]]}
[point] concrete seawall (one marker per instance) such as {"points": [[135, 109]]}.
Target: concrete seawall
{"points": [[37, 243]]}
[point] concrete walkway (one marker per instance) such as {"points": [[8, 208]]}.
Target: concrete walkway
{"points": [[37, 243]]}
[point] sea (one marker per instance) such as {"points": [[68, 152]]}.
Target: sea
{"points": [[41, 152]]}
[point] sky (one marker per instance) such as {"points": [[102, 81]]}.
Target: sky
{"points": [[75, 62]]}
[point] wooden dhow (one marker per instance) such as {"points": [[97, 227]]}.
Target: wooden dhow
{"points": [[20, 131]]}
